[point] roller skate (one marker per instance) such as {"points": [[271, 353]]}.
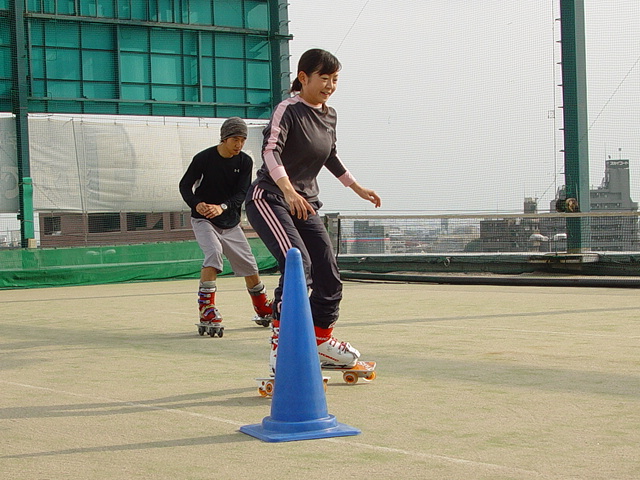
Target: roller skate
{"points": [[262, 305], [266, 384], [210, 318], [341, 356]]}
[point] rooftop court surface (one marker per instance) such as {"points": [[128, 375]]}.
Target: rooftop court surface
{"points": [[473, 382]]}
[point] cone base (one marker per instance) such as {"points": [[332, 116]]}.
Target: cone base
{"points": [[275, 431]]}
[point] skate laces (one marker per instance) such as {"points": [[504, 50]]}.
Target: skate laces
{"points": [[274, 338], [341, 346]]}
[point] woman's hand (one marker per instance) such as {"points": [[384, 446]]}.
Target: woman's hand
{"points": [[298, 205], [367, 194]]}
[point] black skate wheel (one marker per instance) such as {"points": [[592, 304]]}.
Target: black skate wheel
{"points": [[201, 331], [221, 332]]}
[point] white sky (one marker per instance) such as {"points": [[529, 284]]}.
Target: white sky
{"points": [[447, 106]]}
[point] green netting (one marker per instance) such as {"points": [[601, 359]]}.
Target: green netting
{"points": [[30, 268]]}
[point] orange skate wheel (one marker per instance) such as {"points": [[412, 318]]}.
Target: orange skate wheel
{"points": [[350, 378], [369, 376], [268, 388], [262, 392]]}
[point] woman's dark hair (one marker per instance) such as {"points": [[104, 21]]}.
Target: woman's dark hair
{"points": [[315, 60]]}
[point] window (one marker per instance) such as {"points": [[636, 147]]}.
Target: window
{"points": [[257, 14], [105, 8], [136, 92], [5, 66], [88, 8], [227, 13], [62, 64], [134, 39], [135, 67], [257, 48], [166, 12], [231, 46], [62, 7], [144, 221], [200, 13], [166, 69], [229, 73], [104, 222], [98, 66], [52, 226], [98, 37], [258, 75], [139, 10]]}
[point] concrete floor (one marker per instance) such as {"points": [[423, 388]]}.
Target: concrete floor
{"points": [[473, 382]]}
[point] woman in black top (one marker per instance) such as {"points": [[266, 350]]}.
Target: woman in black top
{"points": [[282, 202]]}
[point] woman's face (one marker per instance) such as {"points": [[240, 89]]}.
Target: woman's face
{"points": [[316, 88]]}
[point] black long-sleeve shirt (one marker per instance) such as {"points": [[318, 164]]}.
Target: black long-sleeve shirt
{"points": [[298, 142], [213, 179]]}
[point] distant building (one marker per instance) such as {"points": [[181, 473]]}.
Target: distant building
{"points": [[613, 194], [608, 233], [368, 238]]}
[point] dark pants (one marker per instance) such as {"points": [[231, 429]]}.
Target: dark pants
{"points": [[270, 217]]}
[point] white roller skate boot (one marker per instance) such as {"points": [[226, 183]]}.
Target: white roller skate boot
{"points": [[273, 353], [262, 305], [334, 353], [266, 384]]}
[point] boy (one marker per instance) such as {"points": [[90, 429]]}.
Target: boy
{"points": [[214, 186]]}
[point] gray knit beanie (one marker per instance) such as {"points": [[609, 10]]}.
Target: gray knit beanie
{"points": [[233, 127]]}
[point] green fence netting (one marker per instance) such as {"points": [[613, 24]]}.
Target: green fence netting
{"points": [[31, 268]]}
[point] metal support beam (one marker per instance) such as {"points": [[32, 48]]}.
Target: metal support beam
{"points": [[19, 107], [576, 128], [280, 38]]}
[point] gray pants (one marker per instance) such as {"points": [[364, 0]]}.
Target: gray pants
{"points": [[231, 242]]}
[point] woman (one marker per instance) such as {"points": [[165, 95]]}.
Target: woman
{"points": [[282, 202]]}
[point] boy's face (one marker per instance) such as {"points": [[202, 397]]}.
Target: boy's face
{"points": [[232, 146]]}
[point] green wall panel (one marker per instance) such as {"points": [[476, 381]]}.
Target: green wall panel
{"points": [[52, 267], [73, 58]]}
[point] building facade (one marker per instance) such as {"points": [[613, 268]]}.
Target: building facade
{"points": [[193, 58], [130, 58]]}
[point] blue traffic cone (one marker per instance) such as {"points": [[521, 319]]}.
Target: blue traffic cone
{"points": [[299, 405]]}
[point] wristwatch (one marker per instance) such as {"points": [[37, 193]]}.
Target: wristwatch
{"points": [[224, 207]]}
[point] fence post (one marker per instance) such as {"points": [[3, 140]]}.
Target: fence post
{"points": [[576, 128], [19, 105]]}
